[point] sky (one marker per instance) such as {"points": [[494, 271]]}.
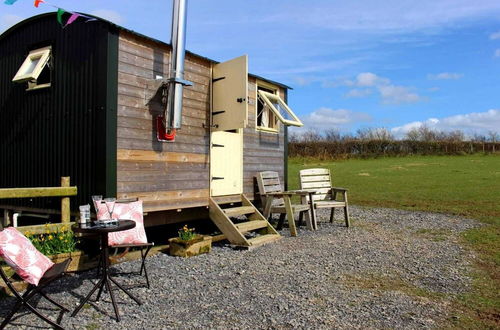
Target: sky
{"points": [[354, 64]]}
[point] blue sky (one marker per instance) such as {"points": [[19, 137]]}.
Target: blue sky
{"points": [[388, 63]]}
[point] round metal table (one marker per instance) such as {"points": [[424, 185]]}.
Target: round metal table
{"points": [[105, 279]]}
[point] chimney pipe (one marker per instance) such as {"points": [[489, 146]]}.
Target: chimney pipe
{"points": [[172, 118]]}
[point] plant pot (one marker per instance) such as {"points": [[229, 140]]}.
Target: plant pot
{"points": [[198, 245]]}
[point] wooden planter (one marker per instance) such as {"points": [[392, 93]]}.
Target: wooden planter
{"points": [[198, 245]]}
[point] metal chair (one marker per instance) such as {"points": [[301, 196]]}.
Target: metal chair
{"points": [[53, 273], [144, 248]]}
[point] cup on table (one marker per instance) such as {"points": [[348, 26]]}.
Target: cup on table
{"points": [[84, 213]]}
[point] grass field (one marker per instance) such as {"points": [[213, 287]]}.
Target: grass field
{"points": [[462, 185]]}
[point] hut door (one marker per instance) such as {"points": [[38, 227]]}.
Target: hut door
{"points": [[226, 163], [230, 94]]}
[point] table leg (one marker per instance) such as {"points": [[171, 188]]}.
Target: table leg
{"points": [[289, 215], [313, 211]]}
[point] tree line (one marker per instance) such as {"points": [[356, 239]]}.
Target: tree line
{"points": [[374, 142]]}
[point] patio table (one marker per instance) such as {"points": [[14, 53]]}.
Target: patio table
{"points": [[106, 278], [287, 195]]}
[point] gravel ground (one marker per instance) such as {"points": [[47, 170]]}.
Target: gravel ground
{"points": [[391, 269]]}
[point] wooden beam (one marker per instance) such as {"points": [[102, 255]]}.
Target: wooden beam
{"points": [[65, 206], [38, 192]]}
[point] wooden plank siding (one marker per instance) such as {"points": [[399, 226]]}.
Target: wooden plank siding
{"points": [[165, 176], [168, 176]]}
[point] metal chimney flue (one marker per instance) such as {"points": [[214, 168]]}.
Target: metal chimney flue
{"points": [[172, 117]]}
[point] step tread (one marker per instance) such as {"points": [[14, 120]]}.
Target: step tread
{"points": [[263, 239], [251, 225], [239, 210]]}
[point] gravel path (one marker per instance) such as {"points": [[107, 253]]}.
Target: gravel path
{"points": [[392, 269]]}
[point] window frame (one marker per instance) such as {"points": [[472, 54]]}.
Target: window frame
{"points": [[277, 127], [267, 97], [43, 54]]}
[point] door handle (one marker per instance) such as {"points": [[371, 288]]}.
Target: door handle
{"points": [[240, 99]]}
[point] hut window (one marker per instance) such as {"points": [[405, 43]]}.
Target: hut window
{"points": [[266, 120], [34, 69], [279, 109]]}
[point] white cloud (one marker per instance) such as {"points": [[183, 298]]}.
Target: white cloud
{"points": [[110, 15], [470, 123], [392, 94], [497, 53], [389, 93], [357, 93], [495, 36], [8, 20], [326, 118], [445, 76]]}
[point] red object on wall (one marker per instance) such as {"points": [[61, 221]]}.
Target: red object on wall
{"points": [[161, 133]]}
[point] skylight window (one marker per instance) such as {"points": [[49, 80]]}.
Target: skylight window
{"points": [[279, 108], [32, 67]]}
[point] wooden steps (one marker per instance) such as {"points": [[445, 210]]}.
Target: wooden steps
{"points": [[239, 233]]}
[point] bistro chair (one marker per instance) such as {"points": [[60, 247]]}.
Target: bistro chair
{"points": [[129, 209], [34, 268], [327, 196]]}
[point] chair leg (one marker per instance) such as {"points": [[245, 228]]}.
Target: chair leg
{"points": [[143, 265], [43, 317], [309, 220], [7, 319], [281, 221], [332, 215], [301, 218], [346, 215], [43, 294]]}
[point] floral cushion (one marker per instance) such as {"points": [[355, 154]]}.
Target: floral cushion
{"points": [[125, 211], [20, 254]]}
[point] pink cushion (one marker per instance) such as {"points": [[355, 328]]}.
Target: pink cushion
{"points": [[20, 254], [125, 211]]}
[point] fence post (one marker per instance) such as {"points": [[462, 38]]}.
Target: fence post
{"points": [[65, 207]]}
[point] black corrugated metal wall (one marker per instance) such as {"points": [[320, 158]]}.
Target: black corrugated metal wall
{"points": [[66, 129]]}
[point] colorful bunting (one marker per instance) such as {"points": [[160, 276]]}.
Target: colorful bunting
{"points": [[9, 2], [37, 3], [60, 13]]}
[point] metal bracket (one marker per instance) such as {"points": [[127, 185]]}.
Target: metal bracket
{"points": [[217, 178], [180, 81], [217, 145], [217, 112], [217, 79]]}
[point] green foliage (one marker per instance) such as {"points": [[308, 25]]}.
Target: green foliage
{"points": [[186, 234], [55, 240]]}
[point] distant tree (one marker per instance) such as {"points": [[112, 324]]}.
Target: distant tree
{"points": [[332, 134], [293, 137], [454, 136], [493, 136], [311, 135], [427, 134], [413, 134], [370, 133], [479, 138]]}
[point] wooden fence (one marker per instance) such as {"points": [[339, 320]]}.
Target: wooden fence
{"points": [[64, 191]]}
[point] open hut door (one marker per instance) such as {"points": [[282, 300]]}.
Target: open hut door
{"points": [[229, 117]]}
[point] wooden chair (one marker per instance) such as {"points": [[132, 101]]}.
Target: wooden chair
{"points": [[270, 187], [144, 247], [53, 273], [319, 180]]}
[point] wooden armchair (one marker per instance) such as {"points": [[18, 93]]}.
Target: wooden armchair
{"points": [[269, 189], [319, 180]]}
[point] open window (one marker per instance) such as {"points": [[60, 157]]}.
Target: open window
{"points": [[35, 69], [271, 110]]}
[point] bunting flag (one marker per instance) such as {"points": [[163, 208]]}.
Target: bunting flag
{"points": [[60, 12], [9, 2]]}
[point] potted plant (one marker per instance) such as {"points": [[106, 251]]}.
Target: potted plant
{"points": [[189, 243], [59, 244]]}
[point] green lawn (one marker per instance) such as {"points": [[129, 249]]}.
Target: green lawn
{"points": [[463, 185]]}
